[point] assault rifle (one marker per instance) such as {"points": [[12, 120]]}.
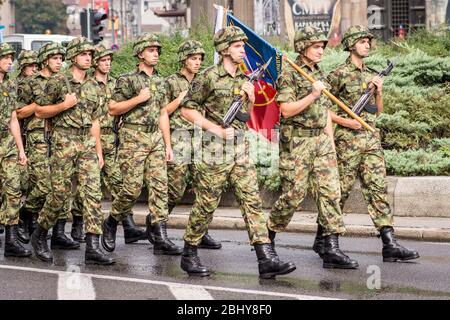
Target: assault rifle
{"points": [[239, 101], [362, 103]]}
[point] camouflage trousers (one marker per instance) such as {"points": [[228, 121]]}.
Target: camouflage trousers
{"points": [[305, 159], [9, 180], [360, 155], [142, 158], [73, 156], [111, 177], [39, 175], [180, 169], [209, 180]]}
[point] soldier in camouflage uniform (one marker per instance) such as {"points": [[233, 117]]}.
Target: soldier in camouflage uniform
{"points": [[206, 103], [111, 176], [50, 57], [307, 148], [359, 151], [139, 98], [12, 154], [190, 56], [27, 63], [73, 101]]}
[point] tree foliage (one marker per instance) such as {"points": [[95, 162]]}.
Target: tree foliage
{"points": [[37, 16]]}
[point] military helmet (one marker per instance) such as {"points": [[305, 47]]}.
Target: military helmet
{"points": [[100, 51], [144, 41], [77, 46], [189, 48], [353, 34], [306, 36], [50, 49], [226, 36], [5, 49], [27, 57]]}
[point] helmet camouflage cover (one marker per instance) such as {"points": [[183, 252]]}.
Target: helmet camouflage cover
{"points": [[100, 51], [144, 41], [27, 57], [226, 36], [353, 34], [5, 49], [189, 48], [306, 36], [50, 49], [77, 46]]}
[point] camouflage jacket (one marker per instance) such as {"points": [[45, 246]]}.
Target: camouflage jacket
{"points": [[175, 84], [348, 84], [106, 90], [27, 92], [7, 102], [88, 108], [212, 93], [129, 85], [293, 87]]}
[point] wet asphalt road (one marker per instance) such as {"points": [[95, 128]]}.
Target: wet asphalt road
{"points": [[138, 274]]}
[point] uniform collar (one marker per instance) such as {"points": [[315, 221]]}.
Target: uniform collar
{"points": [[353, 66], [139, 71], [223, 72], [303, 65]]}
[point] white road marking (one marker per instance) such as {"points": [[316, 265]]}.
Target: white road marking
{"points": [[75, 286], [184, 292], [168, 284]]}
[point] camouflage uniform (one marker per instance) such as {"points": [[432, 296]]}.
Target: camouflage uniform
{"points": [[212, 92], [9, 166], [359, 151], [182, 131], [305, 150], [73, 145], [142, 155]]}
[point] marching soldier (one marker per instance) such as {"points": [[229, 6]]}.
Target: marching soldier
{"points": [[307, 149], [359, 151], [190, 55], [73, 102], [205, 105], [111, 175], [50, 57], [139, 98], [12, 154]]}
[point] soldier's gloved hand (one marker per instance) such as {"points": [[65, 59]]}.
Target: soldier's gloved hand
{"points": [[353, 124], [144, 95], [228, 133], [169, 154], [317, 86], [249, 89], [23, 159], [70, 100], [378, 83]]}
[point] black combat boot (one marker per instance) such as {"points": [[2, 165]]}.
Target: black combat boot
{"points": [[131, 232], [94, 255], [60, 240], [333, 256], [13, 248], [318, 245], [24, 225], [162, 245], [209, 243], [39, 243], [269, 264], [392, 251], [148, 230], [190, 262], [33, 223], [77, 233], [2, 228], [109, 234]]}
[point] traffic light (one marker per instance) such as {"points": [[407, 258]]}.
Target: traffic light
{"points": [[92, 31]]}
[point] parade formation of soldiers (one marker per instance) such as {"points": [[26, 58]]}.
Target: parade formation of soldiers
{"points": [[82, 125]]}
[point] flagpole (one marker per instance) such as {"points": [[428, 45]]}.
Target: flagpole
{"points": [[329, 95]]}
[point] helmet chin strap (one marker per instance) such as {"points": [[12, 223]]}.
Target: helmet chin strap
{"points": [[74, 63]]}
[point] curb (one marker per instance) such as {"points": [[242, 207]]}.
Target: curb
{"points": [[179, 221]]}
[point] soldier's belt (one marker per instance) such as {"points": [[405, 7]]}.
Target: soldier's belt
{"points": [[107, 131], [74, 131], [142, 128], [307, 133]]}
